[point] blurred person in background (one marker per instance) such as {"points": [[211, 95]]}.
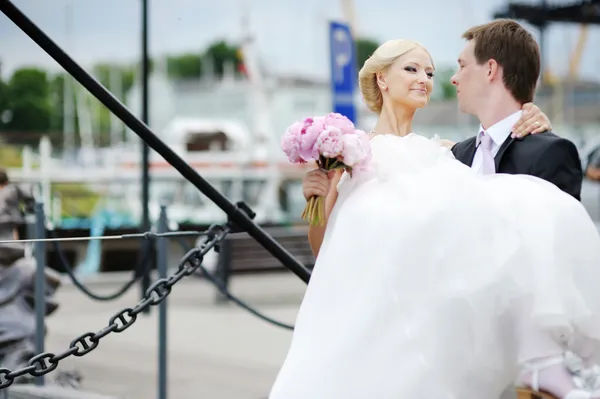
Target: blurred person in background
{"points": [[17, 285], [14, 202], [592, 167]]}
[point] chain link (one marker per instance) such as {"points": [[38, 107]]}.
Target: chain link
{"points": [[47, 362]]}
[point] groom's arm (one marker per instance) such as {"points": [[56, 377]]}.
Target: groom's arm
{"points": [[560, 164]]}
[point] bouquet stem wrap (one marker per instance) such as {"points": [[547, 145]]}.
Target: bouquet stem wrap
{"points": [[314, 212]]}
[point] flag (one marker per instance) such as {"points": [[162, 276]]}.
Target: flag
{"points": [[240, 61]]}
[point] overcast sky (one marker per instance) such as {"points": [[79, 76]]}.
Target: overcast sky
{"points": [[291, 33]]}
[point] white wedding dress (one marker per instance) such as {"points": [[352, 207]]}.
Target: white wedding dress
{"points": [[421, 269]]}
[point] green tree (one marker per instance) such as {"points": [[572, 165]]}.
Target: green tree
{"points": [[29, 100], [57, 95], [442, 77], [123, 76], [364, 49], [222, 53], [127, 74], [100, 113], [4, 101], [185, 66]]}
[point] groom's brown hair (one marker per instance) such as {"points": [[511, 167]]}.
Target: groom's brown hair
{"points": [[514, 49]]}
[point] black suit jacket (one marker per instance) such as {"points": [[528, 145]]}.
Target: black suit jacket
{"points": [[544, 155]]}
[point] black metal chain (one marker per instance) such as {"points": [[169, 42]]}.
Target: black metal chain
{"points": [[47, 362]]}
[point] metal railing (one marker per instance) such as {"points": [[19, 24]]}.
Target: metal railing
{"points": [[239, 214], [46, 362], [240, 218]]}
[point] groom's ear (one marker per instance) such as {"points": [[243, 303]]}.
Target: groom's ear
{"points": [[492, 69]]}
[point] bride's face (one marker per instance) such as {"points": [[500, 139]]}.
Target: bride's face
{"points": [[409, 80]]}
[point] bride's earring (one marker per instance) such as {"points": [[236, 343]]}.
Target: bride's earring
{"points": [[381, 81]]}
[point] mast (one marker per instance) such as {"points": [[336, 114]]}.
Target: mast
{"points": [[264, 136], [68, 103]]}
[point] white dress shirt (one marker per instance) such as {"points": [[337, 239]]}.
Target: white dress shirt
{"points": [[499, 132]]}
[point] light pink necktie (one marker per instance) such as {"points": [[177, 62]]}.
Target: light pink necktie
{"points": [[488, 166]]}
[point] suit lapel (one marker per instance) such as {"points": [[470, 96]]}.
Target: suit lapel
{"points": [[498, 158], [470, 150]]}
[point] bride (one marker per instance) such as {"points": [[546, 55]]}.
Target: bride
{"points": [[431, 282]]}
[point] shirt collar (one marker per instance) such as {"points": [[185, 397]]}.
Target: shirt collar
{"points": [[500, 130]]}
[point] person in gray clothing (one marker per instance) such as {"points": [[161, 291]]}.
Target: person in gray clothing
{"points": [[13, 199]]}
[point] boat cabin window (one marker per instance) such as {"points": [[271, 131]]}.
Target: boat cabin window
{"points": [[206, 141]]}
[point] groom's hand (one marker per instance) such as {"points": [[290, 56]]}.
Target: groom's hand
{"points": [[532, 121]]}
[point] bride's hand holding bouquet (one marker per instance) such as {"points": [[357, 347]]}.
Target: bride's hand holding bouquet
{"points": [[333, 142]]}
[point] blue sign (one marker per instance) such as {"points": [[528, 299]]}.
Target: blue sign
{"points": [[342, 52]]}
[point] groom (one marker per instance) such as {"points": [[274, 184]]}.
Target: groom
{"points": [[498, 73]]}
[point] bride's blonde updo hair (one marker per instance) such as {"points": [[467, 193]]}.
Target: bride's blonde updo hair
{"points": [[379, 61]]}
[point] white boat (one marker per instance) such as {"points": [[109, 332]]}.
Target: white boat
{"points": [[241, 160]]}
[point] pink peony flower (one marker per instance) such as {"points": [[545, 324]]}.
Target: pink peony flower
{"points": [[329, 142], [341, 122], [308, 141], [357, 150], [291, 141], [331, 136]]}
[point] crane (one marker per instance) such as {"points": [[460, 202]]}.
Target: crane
{"points": [[575, 60]]}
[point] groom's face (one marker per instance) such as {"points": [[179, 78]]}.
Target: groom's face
{"points": [[470, 80]]}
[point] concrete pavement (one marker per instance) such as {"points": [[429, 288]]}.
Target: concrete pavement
{"points": [[215, 351]]}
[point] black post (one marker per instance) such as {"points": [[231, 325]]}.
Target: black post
{"points": [[162, 248], [145, 149], [239, 216], [40, 282]]}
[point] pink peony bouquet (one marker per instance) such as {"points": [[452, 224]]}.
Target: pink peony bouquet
{"points": [[334, 143]]}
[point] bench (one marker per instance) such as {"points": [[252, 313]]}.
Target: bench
{"points": [[241, 254]]}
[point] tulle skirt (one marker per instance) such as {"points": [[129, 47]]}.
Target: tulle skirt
{"points": [[421, 272]]}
